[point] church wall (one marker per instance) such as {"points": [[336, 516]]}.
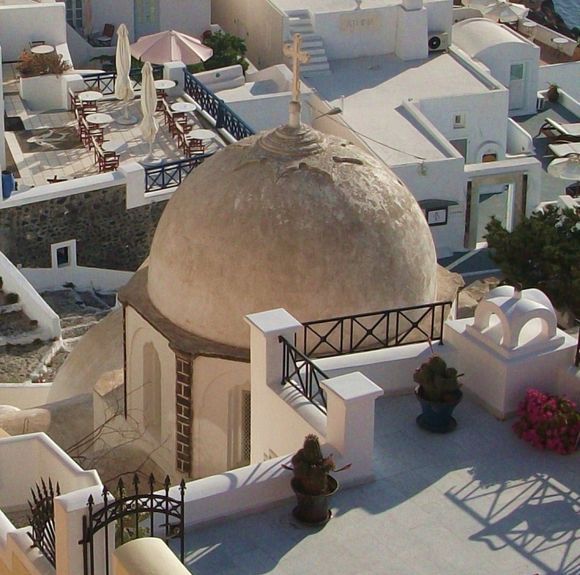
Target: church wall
{"points": [[139, 334], [217, 385], [108, 235]]}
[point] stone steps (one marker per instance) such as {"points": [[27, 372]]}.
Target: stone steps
{"points": [[301, 23]]}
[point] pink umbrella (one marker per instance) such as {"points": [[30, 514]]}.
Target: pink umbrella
{"points": [[170, 46]]}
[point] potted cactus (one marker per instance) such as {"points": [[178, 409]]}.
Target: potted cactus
{"points": [[312, 482], [438, 392]]}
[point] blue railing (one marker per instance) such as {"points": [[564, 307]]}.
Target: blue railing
{"points": [[104, 82], [224, 117], [170, 174]]}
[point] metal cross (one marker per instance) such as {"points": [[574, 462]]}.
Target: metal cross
{"points": [[298, 57]]}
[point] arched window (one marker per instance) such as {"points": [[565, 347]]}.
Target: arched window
{"points": [[151, 391]]}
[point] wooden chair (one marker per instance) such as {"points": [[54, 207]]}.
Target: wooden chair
{"points": [[90, 133], [107, 161], [192, 146], [106, 37]]}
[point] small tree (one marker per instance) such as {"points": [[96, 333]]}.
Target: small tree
{"points": [[227, 50], [543, 251]]}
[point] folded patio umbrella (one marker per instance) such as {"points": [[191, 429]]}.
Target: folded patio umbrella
{"points": [[149, 125], [123, 87], [170, 46]]}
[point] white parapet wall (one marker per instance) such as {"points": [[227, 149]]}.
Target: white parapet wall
{"points": [[32, 304]]}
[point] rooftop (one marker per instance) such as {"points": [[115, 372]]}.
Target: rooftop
{"points": [[382, 84], [46, 145], [478, 501], [334, 5]]}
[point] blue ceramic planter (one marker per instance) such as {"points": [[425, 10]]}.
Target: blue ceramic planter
{"points": [[437, 417]]}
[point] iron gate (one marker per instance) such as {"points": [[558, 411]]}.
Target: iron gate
{"points": [[134, 516], [41, 519]]}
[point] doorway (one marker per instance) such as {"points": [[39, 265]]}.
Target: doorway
{"points": [[517, 86], [492, 200], [146, 17]]}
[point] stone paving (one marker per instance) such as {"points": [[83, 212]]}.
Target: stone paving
{"points": [[479, 501]]}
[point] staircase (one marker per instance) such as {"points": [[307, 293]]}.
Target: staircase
{"points": [[16, 328], [301, 23]]}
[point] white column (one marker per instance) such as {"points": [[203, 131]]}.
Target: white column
{"points": [[135, 183], [68, 522], [266, 369], [174, 71], [350, 425]]}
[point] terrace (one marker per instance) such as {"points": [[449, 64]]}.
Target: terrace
{"points": [[46, 148], [479, 501]]}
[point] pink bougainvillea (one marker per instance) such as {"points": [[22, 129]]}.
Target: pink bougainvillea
{"points": [[548, 422]]}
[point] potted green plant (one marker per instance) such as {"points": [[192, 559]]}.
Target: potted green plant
{"points": [[312, 482], [438, 392], [552, 93]]}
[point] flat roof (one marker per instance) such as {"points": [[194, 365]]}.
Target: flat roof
{"points": [[318, 6], [374, 89], [478, 501]]}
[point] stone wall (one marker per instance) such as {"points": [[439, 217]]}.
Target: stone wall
{"points": [[108, 235]]}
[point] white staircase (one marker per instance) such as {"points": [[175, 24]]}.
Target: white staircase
{"points": [[300, 23]]}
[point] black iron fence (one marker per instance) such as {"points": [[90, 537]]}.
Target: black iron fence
{"points": [[170, 174], [135, 515], [41, 519], [373, 330], [104, 82], [302, 374], [216, 108]]}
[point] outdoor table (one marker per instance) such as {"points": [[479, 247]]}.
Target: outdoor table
{"points": [[184, 107], [164, 84], [99, 119], [113, 146], [90, 96], [206, 136], [42, 49]]}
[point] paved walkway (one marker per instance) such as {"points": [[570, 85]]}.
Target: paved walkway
{"points": [[477, 502]]}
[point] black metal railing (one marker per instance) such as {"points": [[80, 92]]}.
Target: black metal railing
{"points": [[373, 330], [142, 510], [170, 174], [104, 82], [302, 374], [222, 114], [41, 519]]}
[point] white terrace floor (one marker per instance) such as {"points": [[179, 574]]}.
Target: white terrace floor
{"points": [[35, 167], [479, 501]]}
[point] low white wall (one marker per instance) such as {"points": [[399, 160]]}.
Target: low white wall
{"points": [[44, 459], [146, 556], [21, 24], [545, 35], [569, 383], [568, 101], [518, 140], [24, 395], [263, 112], [391, 369], [235, 492], [223, 78], [32, 304], [565, 75], [83, 277]]}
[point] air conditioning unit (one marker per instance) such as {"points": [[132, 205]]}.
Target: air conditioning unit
{"points": [[438, 41]]}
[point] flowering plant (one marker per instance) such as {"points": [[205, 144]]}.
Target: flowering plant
{"points": [[548, 422]]}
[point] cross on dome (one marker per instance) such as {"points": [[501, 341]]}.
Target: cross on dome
{"points": [[298, 57]]}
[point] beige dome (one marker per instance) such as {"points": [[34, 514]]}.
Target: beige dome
{"points": [[293, 219]]}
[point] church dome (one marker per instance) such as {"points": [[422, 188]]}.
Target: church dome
{"points": [[290, 218]]}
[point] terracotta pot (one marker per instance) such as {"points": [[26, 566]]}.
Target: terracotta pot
{"points": [[313, 509]]}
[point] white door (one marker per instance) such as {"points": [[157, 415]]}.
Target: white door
{"points": [[146, 17], [517, 86]]}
